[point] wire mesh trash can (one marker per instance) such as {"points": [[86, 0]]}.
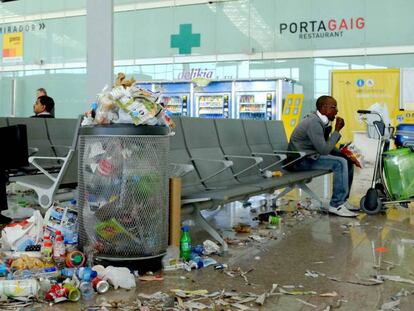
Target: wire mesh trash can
{"points": [[123, 191]]}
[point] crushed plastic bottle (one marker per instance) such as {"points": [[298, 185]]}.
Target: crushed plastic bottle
{"points": [[86, 290], [86, 274], [198, 249], [171, 257], [19, 288], [197, 259], [45, 273], [67, 272], [3, 269]]}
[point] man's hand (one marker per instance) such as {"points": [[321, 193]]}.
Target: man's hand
{"points": [[339, 124]]}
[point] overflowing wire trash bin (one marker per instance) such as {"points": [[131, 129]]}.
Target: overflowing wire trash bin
{"points": [[123, 191]]}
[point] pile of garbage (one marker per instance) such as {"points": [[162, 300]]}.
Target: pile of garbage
{"points": [[40, 260], [126, 102]]}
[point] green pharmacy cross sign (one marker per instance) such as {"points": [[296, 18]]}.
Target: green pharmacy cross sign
{"points": [[185, 40]]}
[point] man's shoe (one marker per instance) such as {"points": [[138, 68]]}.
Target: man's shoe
{"points": [[4, 220], [342, 211], [351, 207]]}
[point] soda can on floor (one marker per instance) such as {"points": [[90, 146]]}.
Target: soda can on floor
{"points": [[101, 286], [73, 293], [274, 220]]}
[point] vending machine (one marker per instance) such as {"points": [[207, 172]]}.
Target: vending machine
{"points": [[175, 96], [255, 100], [213, 100]]}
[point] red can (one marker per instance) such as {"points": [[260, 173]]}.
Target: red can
{"points": [[56, 292], [101, 286]]}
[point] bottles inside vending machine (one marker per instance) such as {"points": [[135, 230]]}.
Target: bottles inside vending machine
{"points": [[226, 106], [269, 106], [184, 105], [173, 103], [255, 105], [213, 106], [249, 108]]}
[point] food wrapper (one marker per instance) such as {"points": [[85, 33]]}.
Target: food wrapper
{"points": [[127, 102], [18, 233], [109, 229], [351, 152], [106, 111], [26, 262], [135, 91], [140, 110]]}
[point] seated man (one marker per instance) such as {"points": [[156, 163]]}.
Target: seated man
{"points": [[43, 107], [42, 92], [313, 135]]}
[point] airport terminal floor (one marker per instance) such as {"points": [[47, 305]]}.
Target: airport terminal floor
{"points": [[311, 261]]}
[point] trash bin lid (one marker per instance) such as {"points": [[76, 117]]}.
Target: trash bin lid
{"points": [[124, 129]]}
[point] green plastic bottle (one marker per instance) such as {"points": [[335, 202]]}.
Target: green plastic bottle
{"points": [[185, 244]]}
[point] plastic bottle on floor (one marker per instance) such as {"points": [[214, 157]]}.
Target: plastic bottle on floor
{"points": [[22, 288], [47, 251], [86, 290], [185, 243], [45, 273], [59, 250], [197, 259], [171, 257], [45, 239]]}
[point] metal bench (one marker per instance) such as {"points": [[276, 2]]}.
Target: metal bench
{"points": [[229, 158], [55, 164]]}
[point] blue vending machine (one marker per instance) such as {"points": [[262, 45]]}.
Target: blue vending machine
{"points": [[175, 96], [213, 100], [255, 100]]}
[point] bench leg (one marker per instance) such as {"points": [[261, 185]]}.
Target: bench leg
{"points": [[310, 192], [209, 228], [212, 213], [284, 192], [305, 189]]}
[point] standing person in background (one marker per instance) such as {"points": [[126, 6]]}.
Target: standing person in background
{"points": [[42, 92], [313, 135], [43, 107]]}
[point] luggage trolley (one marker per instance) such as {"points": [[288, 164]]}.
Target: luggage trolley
{"points": [[392, 181]]}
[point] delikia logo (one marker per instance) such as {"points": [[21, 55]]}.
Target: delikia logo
{"points": [[360, 83], [188, 75]]}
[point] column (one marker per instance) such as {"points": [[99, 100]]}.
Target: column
{"points": [[100, 58]]}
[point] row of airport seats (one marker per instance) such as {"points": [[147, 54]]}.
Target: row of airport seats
{"points": [[226, 157], [229, 157], [53, 161]]}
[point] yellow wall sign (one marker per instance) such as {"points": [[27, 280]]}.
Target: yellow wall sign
{"points": [[361, 89], [13, 47], [291, 112], [404, 116]]}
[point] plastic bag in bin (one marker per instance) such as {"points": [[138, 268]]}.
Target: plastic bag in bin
{"points": [[179, 170]]}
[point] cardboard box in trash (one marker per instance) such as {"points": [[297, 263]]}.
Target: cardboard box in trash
{"points": [[65, 219]]}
